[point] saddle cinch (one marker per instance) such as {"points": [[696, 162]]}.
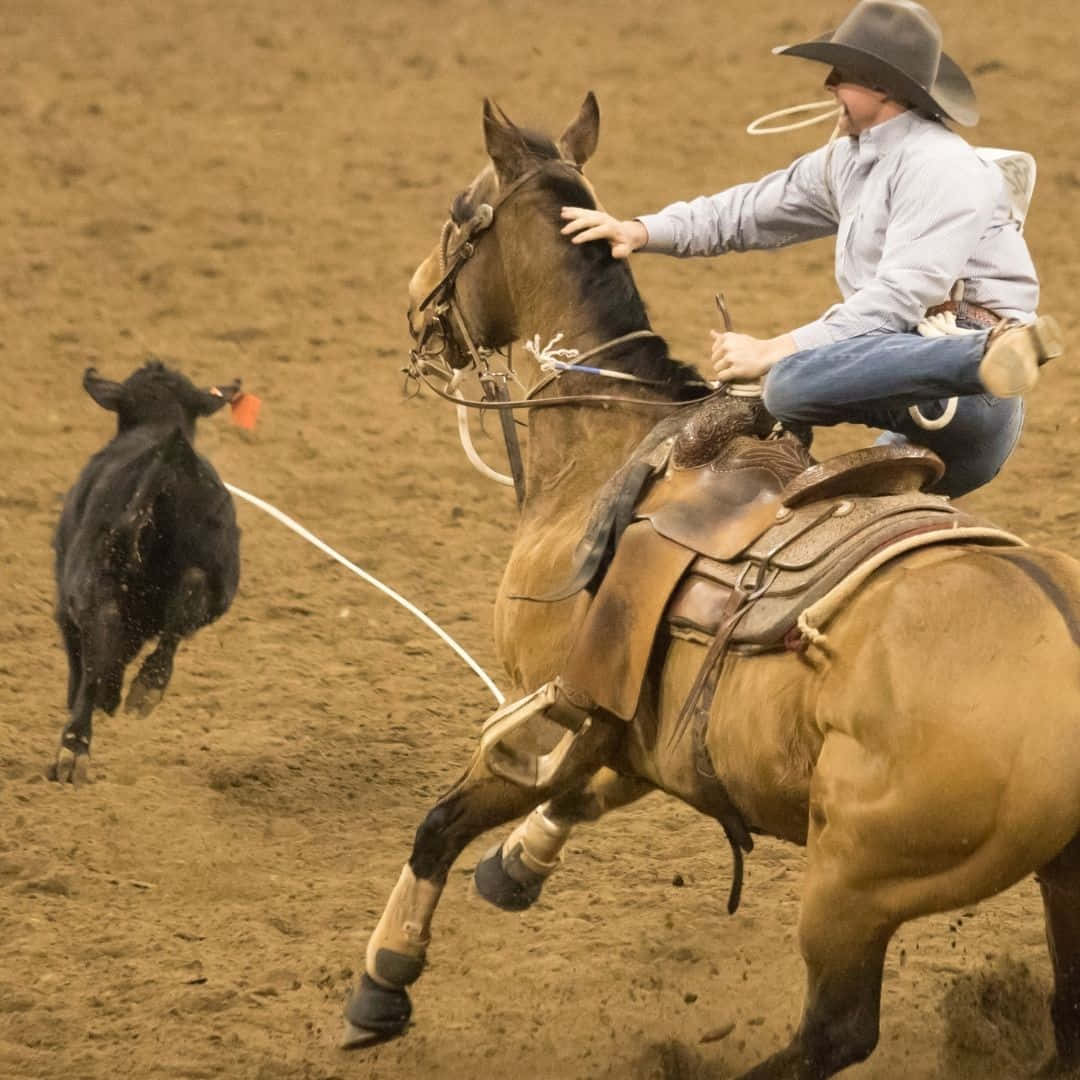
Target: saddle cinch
{"points": [[749, 545]]}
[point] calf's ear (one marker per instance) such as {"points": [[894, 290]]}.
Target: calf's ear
{"points": [[108, 394]]}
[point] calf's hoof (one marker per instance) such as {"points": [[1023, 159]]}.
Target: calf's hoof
{"points": [[143, 698], [374, 1013], [510, 891], [69, 767]]}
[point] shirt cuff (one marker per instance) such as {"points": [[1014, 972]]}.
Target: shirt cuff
{"points": [[661, 233], [812, 335]]}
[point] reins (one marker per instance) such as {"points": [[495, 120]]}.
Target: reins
{"points": [[530, 402]]}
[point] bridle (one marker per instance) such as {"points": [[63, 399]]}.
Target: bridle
{"points": [[446, 348]]}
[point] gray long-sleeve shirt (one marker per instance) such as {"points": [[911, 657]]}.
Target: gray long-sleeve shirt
{"points": [[914, 210]]}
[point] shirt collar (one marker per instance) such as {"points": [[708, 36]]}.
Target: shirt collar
{"points": [[878, 141]]}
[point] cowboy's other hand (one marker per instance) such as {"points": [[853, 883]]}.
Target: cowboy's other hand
{"points": [[740, 357], [584, 225]]}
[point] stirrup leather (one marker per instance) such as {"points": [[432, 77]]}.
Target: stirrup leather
{"points": [[536, 770]]}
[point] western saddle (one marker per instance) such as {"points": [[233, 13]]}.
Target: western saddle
{"points": [[748, 545]]}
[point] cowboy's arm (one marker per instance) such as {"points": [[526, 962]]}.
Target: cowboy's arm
{"points": [[939, 208], [785, 207]]}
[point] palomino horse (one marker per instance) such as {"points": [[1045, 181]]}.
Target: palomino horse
{"points": [[908, 803]]}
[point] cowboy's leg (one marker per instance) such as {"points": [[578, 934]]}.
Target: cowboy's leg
{"points": [[975, 443], [847, 380], [836, 383]]}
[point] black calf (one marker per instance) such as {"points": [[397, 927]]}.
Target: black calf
{"points": [[147, 547]]}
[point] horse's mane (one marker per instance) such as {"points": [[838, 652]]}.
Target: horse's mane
{"points": [[612, 295], [605, 282]]}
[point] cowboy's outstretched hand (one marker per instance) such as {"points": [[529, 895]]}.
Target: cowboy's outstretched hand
{"points": [[740, 357], [585, 225]]}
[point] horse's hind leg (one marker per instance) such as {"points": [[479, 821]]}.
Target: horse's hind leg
{"points": [[512, 873], [844, 940], [1060, 884], [396, 951]]}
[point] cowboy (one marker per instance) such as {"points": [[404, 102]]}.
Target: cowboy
{"points": [[923, 223]]}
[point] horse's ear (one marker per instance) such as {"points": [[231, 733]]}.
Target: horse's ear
{"points": [[505, 146], [578, 141]]}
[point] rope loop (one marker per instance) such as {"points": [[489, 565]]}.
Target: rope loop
{"points": [[828, 110]]}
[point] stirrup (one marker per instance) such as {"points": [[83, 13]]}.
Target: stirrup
{"points": [[532, 770]]}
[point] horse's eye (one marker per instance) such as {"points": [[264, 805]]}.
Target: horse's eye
{"points": [[459, 209]]}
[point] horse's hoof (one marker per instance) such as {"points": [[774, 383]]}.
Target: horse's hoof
{"points": [[498, 887], [374, 1013], [69, 768]]}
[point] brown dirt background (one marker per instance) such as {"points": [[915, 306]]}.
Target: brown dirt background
{"points": [[244, 188]]}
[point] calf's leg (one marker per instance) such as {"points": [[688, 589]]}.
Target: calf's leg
{"points": [[73, 647], [186, 611], [101, 655]]}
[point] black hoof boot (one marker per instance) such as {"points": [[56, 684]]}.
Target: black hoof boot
{"points": [[496, 885], [374, 1013]]}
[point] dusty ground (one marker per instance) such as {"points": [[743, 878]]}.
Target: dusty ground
{"points": [[244, 188]]}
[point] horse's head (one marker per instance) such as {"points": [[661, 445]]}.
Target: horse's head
{"points": [[463, 291]]}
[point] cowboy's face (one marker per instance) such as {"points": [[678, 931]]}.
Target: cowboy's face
{"points": [[863, 105]]}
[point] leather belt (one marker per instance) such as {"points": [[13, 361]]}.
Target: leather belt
{"points": [[965, 311]]}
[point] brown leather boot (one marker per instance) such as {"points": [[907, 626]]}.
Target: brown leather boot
{"points": [[1015, 352]]}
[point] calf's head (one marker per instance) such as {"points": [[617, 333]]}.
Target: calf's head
{"points": [[155, 395]]}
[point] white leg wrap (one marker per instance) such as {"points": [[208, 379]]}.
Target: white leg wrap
{"points": [[540, 842], [397, 948]]}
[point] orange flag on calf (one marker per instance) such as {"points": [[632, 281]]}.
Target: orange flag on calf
{"points": [[244, 410]]}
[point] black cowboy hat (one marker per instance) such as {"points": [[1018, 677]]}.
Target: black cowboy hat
{"points": [[896, 44]]}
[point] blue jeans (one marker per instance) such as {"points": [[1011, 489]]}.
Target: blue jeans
{"points": [[873, 379]]}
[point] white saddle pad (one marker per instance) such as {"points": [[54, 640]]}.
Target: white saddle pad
{"points": [[1018, 168]]}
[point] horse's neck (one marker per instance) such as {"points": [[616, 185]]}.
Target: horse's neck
{"points": [[574, 450]]}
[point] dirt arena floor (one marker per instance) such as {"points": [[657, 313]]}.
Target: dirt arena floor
{"points": [[243, 188]]}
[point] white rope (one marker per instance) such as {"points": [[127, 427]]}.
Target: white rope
{"points": [[555, 361], [311, 538], [831, 110], [475, 459], [937, 424], [943, 324], [549, 358]]}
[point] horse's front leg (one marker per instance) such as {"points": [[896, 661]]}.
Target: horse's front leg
{"points": [[512, 873], [379, 1006]]}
